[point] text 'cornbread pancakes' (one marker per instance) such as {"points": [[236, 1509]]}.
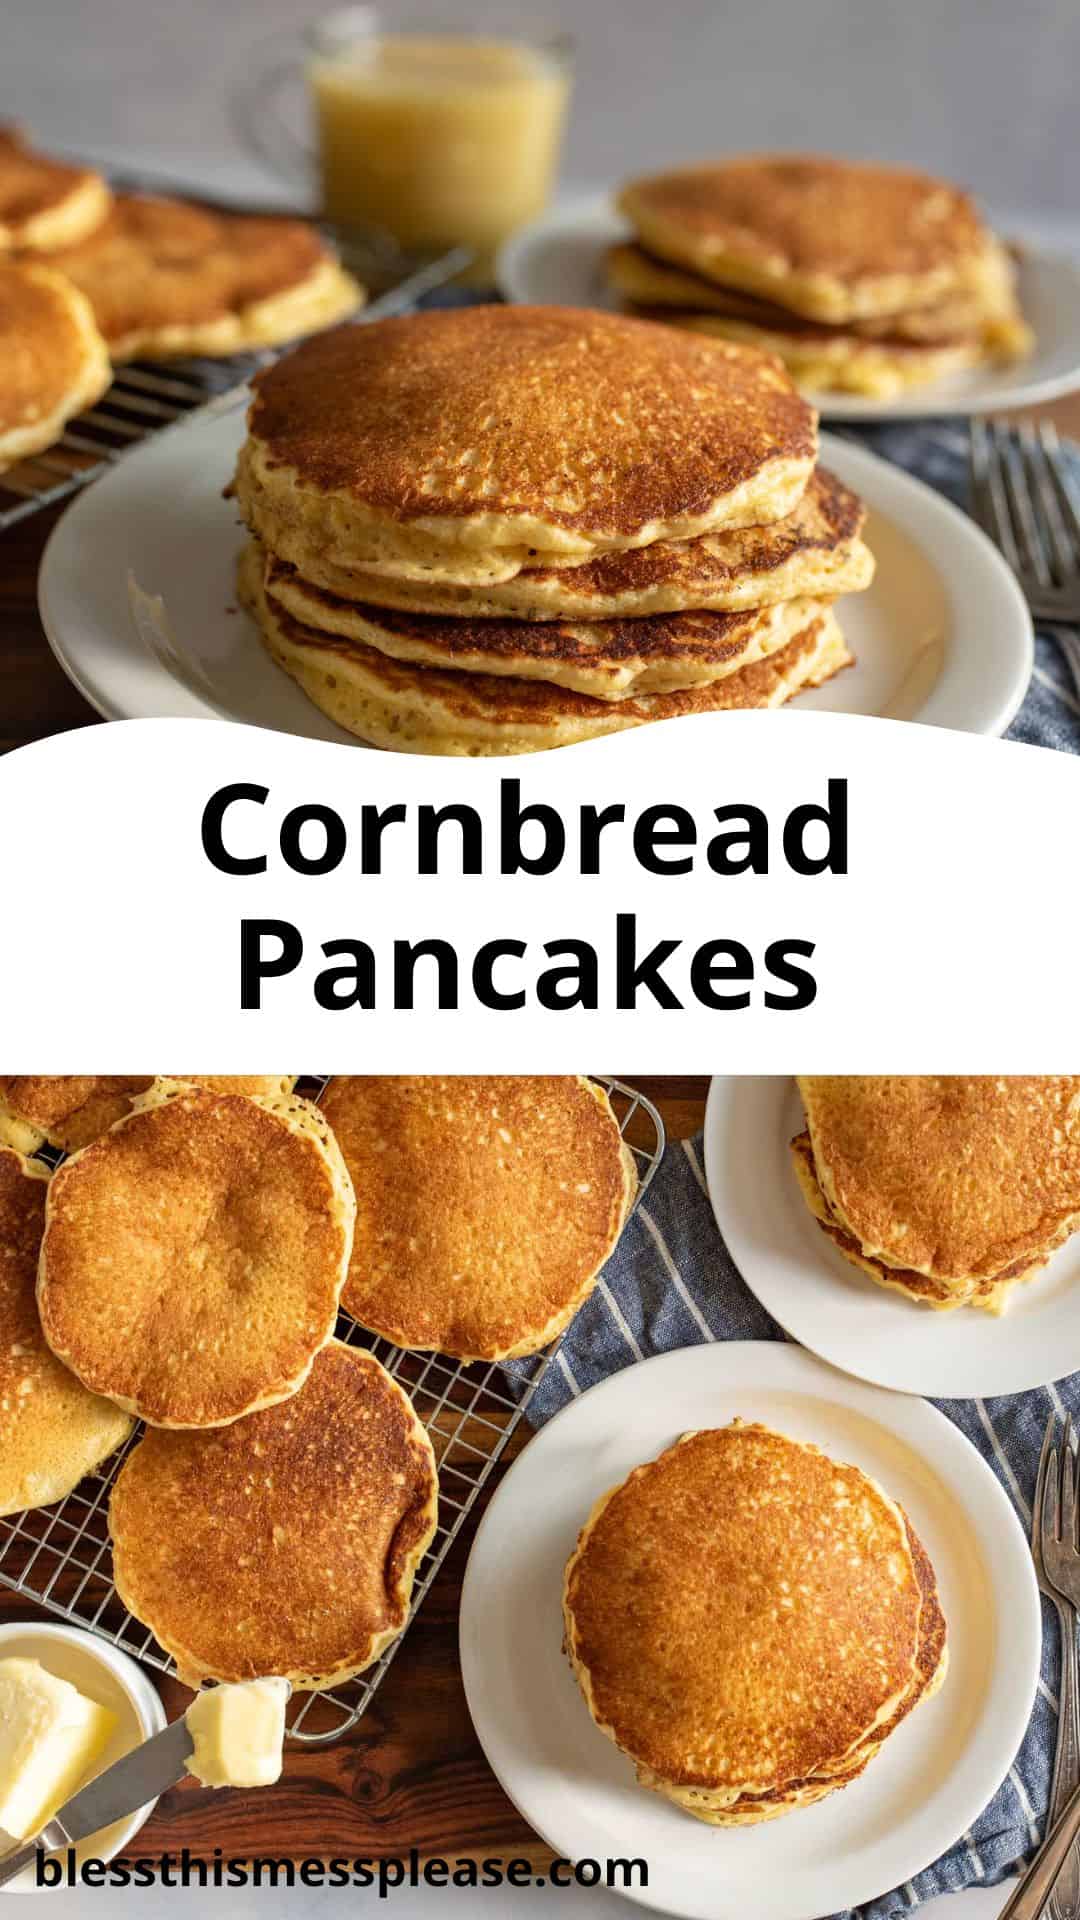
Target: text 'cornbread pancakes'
{"points": [[951, 1190], [194, 1255], [53, 360], [749, 1621], [862, 278], [45, 203], [52, 1430], [287, 1543], [452, 508], [486, 1205]]}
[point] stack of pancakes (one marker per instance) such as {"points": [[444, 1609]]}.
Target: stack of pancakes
{"points": [[862, 278], [88, 279], [749, 1621], [951, 1190], [495, 530]]}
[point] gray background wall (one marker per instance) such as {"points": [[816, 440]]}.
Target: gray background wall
{"points": [[984, 90]]}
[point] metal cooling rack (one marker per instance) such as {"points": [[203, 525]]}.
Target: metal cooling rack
{"points": [[60, 1556], [148, 395]]}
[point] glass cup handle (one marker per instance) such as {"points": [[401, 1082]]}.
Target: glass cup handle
{"points": [[258, 118]]}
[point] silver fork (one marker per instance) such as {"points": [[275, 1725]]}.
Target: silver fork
{"points": [[1023, 496], [1057, 1567]]}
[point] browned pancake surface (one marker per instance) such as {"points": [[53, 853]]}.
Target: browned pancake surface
{"points": [[31, 183], [594, 423], [70, 1109], [284, 1544], [486, 1204]]}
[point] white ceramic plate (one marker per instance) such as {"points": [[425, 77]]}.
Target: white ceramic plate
{"points": [[559, 261], [934, 1775], [838, 1312], [942, 636]]}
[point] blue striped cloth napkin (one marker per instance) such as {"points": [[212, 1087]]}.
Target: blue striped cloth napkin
{"points": [[672, 1283]]}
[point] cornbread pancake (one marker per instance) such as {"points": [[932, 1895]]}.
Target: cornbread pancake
{"points": [[65, 1110], [53, 361], [474, 440], [486, 1205], [414, 709], [992, 1294], [45, 203], [194, 1255], [164, 277], [606, 659], [815, 550], [837, 362], [52, 1431], [952, 1189], [748, 1620], [252, 1083], [287, 1543], [834, 239]]}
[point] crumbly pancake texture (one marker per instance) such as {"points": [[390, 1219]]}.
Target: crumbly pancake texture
{"points": [[65, 1110], [45, 203], [835, 239], [992, 1294], [605, 659], [963, 1179], [521, 430], [486, 1205], [286, 1544], [194, 1256], [53, 361], [165, 277], [407, 708], [743, 1615], [815, 550], [52, 1431]]}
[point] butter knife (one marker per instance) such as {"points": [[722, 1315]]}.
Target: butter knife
{"points": [[123, 1788]]}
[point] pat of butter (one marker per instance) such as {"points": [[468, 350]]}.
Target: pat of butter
{"points": [[50, 1737], [238, 1732]]}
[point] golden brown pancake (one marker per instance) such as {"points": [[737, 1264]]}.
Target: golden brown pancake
{"points": [[963, 1179], [992, 1294], [835, 239], [252, 1083], [52, 1431], [164, 277], [815, 550], [470, 441], [841, 362], [285, 1544], [743, 1615], [53, 361], [45, 203], [194, 1255], [486, 1205], [414, 709], [65, 1110]]}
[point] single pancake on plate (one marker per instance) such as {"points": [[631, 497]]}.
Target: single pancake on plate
{"points": [[948, 1188], [468, 444], [749, 1620], [287, 1543], [166, 277], [52, 1431], [833, 239], [45, 203], [194, 1255], [815, 550], [53, 361], [486, 1205], [409, 708]]}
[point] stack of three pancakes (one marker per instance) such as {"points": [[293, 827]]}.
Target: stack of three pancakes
{"points": [[500, 529]]}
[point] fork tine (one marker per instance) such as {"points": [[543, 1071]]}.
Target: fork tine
{"points": [[1055, 461], [996, 505], [1068, 1488], [982, 503], [1040, 1486], [1014, 485], [1051, 1489], [1064, 557]]}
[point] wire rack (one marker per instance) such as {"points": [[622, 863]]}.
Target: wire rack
{"points": [[60, 1556]]}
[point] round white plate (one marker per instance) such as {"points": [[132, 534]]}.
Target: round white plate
{"points": [[837, 1311], [942, 636], [935, 1773], [559, 261]]}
